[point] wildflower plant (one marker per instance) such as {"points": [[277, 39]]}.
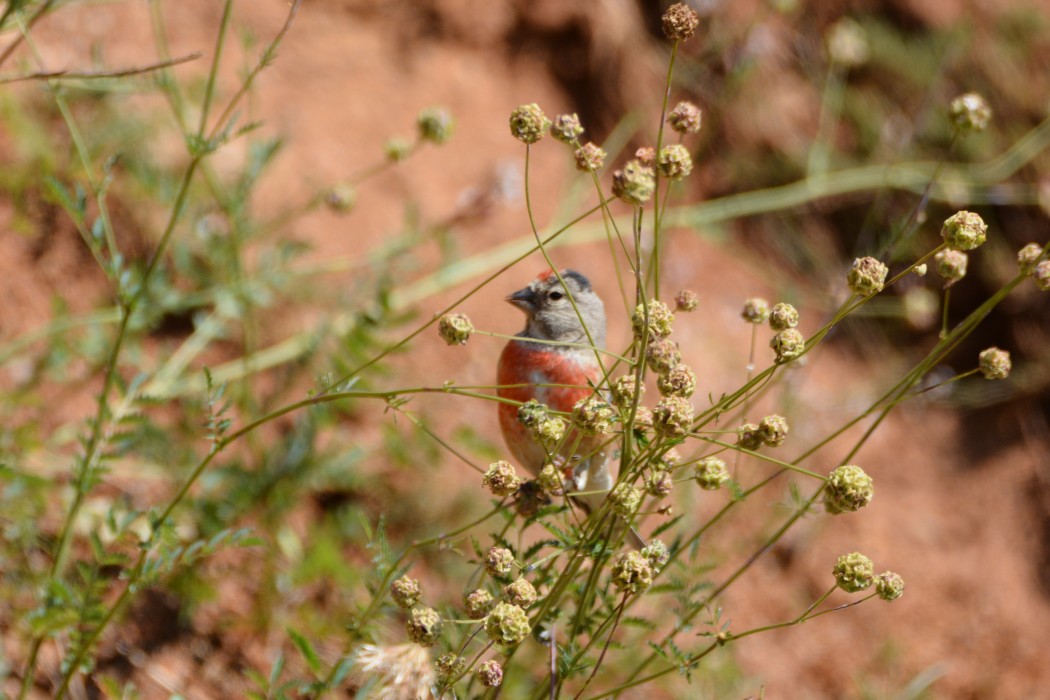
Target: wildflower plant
{"points": [[543, 593]]}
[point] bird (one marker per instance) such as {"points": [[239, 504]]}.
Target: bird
{"points": [[563, 308]]}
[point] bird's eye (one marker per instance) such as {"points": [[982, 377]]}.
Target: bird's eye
{"points": [[555, 296]]}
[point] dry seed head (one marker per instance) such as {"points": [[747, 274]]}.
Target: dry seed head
{"points": [[589, 157], [592, 416], [662, 355], [680, 381], [679, 22], [626, 391], [673, 417], [424, 626], [455, 329], [686, 300], [632, 572], [449, 666], [499, 563], [995, 363], [490, 674], [566, 128], [867, 276], [528, 123], [646, 155], [854, 572], [773, 429], [749, 436], [405, 591], [685, 118]]}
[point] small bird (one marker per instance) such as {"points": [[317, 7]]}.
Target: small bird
{"points": [[558, 376]]}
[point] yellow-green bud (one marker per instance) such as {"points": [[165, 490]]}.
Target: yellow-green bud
{"points": [[632, 572], [341, 198], [1028, 258], [749, 436], [450, 666], [634, 183], [625, 391], [396, 150], [660, 321], [686, 300], [656, 554], [424, 626], [951, 265], [854, 572], [528, 123], [674, 162], [680, 381], [847, 43], [783, 316], [662, 355], [499, 563], [551, 430], [849, 489], [755, 310], [659, 483], [478, 603], [550, 480], [405, 591], [685, 118], [625, 499], [566, 128], [964, 230], [711, 473], [507, 625], [995, 363], [455, 329], [435, 125], [520, 593], [788, 345], [673, 417], [592, 416], [867, 276], [970, 112], [773, 429], [889, 585], [501, 479]]}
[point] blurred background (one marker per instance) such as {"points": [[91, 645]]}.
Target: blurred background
{"points": [[824, 126]]}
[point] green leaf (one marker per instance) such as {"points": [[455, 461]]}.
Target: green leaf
{"points": [[306, 650]]}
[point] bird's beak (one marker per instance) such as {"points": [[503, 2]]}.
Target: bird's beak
{"points": [[524, 299]]}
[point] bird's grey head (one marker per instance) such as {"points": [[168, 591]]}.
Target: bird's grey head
{"points": [[550, 315]]}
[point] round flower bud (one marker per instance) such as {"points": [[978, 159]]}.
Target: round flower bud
{"points": [[632, 573], [499, 562], [749, 436], [674, 162], [646, 155], [656, 554], [532, 413], [755, 310], [669, 461], [589, 157], [889, 585], [773, 429], [679, 22], [662, 355], [424, 626], [970, 112], [951, 265], [964, 230], [659, 322], [626, 391], [551, 431], [1028, 258], [507, 625], [1041, 276], [528, 123], [550, 480], [634, 184], [478, 603], [686, 300], [995, 363], [405, 592], [520, 593], [783, 316], [673, 417], [450, 666], [711, 473], [501, 479], [643, 418], [788, 345], [566, 128], [592, 416], [854, 572], [490, 674], [847, 43], [659, 483], [919, 270], [685, 118], [849, 489], [625, 499], [396, 150], [435, 125], [680, 381], [866, 277], [341, 198], [455, 329], [529, 499]]}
